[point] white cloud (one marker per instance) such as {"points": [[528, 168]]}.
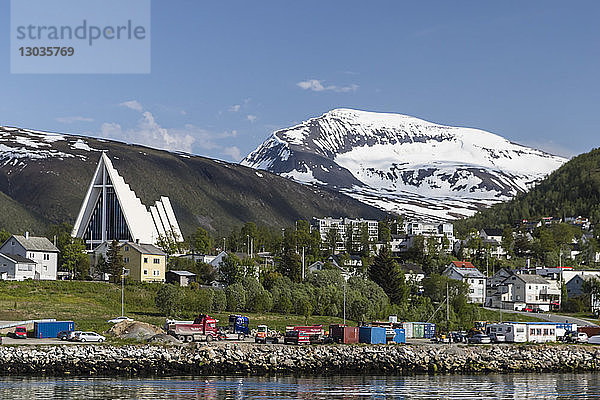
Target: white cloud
{"points": [[316, 85], [235, 108], [132, 104], [233, 152], [148, 132], [252, 118], [70, 120]]}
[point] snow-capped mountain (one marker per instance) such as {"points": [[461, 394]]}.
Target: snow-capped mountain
{"points": [[404, 164]]}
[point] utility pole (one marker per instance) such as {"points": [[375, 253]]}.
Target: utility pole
{"points": [[302, 262], [447, 307], [223, 244], [123, 293], [344, 301]]}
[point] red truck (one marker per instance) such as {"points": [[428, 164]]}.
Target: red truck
{"points": [[315, 333], [204, 327], [20, 332]]}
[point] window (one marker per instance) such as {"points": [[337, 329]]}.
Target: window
{"points": [[539, 331], [145, 272], [126, 260], [46, 256], [156, 272], [532, 331], [472, 291], [545, 332], [145, 260], [157, 261], [126, 248]]}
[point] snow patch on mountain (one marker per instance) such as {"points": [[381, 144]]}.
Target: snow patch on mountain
{"points": [[402, 163]]}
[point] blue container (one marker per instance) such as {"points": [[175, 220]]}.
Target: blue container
{"points": [[45, 330], [372, 335], [429, 330], [400, 336]]}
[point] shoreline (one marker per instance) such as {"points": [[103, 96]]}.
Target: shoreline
{"points": [[251, 359]]}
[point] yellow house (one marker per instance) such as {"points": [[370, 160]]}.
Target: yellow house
{"points": [[145, 262]]}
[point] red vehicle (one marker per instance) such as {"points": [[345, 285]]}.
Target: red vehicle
{"points": [[20, 332], [296, 337], [315, 332], [204, 327], [528, 309]]}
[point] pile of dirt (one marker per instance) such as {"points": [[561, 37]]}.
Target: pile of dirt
{"points": [[134, 330], [163, 338]]}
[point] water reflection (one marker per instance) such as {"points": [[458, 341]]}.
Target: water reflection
{"points": [[515, 386]]}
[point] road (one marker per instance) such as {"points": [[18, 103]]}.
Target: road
{"points": [[35, 342], [548, 317]]}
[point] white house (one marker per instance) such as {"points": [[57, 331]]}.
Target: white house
{"points": [[13, 267], [37, 249], [533, 291], [466, 272]]}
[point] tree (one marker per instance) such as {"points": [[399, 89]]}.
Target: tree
{"points": [[236, 297], [230, 269], [169, 300], [385, 272], [200, 241], [508, 241], [349, 239], [315, 244], [385, 233], [114, 261], [331, 240], [4, 235], [168, 244], [291, 265], [365, 241], [75, 260]]}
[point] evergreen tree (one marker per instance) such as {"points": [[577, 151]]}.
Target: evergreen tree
{"points": [[331, 239], [114, 260], [385, 272], [291, 265]]}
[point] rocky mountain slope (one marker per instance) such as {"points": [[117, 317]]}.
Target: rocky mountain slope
{"points": [[44, 178], [404, 164]]}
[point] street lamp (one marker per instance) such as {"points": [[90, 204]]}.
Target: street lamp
{"points": [[123, 293]]}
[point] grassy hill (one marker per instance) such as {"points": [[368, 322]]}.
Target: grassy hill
{"points": [[571, 190], [43, 180]]}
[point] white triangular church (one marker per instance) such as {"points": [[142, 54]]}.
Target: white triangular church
{"points": [[112, 211]]}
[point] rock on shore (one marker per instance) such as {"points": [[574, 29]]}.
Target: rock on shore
{"points": [[201, 359]]}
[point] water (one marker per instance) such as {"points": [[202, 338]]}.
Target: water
{"points": [[514, 386]]}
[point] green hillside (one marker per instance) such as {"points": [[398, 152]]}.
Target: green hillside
{"points": [[44, 181], [571, 190]]}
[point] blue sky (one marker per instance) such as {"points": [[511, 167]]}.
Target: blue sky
{"points": [[225, 74]]}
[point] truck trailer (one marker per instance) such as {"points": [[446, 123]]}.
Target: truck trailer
{"points": [[203, 328]]}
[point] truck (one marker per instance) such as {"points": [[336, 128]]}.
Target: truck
{"points": [[237, 329], [264, 336], [20, 332], [315, 333], [203, 328]]}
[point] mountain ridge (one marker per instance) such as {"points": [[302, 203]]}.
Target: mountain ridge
{"points": [[402, 163]]}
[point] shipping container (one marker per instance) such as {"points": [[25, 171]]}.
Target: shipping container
{"points": [[429, 330], [343, 334], [45, 330], [372, 335], [418, 330], [400, 336], [408, 329]]}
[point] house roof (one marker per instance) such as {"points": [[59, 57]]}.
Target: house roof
{"points": [[492, 231], [468, 272], [182, 273], [146, 248], [412, 268], [463, 264], [527, 278], [17, 258], [35, 243]]}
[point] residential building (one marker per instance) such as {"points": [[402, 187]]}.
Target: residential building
{"points": [[112, 211], [466, 272], [343, 226], [37, 249], [441, 233], [492, 241], [13, 267], [522, 290], [145, 262], [181, 278]]}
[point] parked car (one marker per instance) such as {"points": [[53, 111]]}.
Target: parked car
{"points": [[527, 309], [497, 337], [577, 337], [119, 319], [459, 337], [20, 332], [537, 310], [89, 337], [63, 335], [72, 335], [480, 338]]}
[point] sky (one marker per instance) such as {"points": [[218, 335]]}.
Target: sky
{"points": [[226, 74]]}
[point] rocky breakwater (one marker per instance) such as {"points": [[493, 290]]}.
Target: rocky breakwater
{"points": [[261, 359]]}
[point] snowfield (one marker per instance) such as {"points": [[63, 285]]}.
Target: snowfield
{"points": [[404, 164]]}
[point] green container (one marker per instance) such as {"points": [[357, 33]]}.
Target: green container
{"points": [[418, 330]]}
